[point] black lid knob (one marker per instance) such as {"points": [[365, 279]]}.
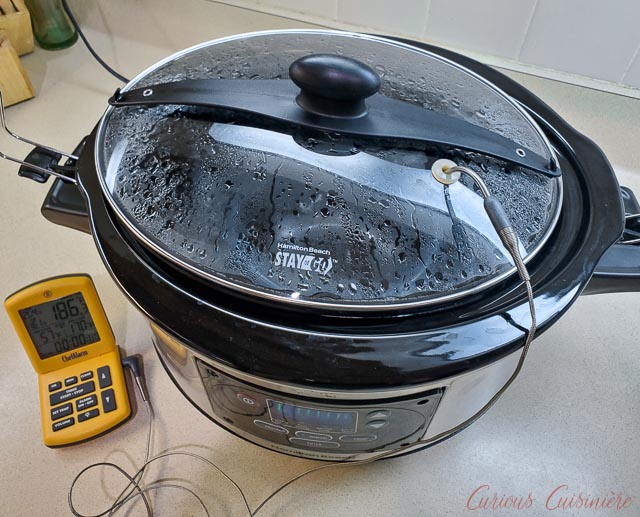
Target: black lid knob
{"points": [[333, 85]]}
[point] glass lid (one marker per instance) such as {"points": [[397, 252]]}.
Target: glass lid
{"points": [[311, 184]]}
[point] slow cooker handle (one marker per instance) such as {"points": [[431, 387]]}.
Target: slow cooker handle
{"points": [[618, 270], [64, 204]]}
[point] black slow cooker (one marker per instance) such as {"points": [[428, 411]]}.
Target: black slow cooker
{"points": [[266, 201]]}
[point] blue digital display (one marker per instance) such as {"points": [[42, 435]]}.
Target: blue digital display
{"points": [[312, 419]]}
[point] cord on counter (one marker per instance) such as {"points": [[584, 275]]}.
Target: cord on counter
{"points": [[76, 26]]}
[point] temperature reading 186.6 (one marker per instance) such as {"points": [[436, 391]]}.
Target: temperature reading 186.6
{"points": [[60, 325]]}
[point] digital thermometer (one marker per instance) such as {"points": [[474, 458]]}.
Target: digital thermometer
{"points": [[65, 332]]}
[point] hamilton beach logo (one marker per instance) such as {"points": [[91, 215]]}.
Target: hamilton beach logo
{"points": [[303, 258]]}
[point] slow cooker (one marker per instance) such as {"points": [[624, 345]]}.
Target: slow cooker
{"points": [[267, 202]]}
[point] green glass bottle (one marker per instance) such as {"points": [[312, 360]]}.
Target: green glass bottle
{"points": [[51, 27]]}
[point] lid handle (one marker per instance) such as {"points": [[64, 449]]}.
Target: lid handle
{"points": [[333, 86]]}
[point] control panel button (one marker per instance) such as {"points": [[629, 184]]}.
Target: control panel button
{"points": [[85, 376], [86, 402], [92, 413], [246, 399], [70, 381], [104, 376], [378, 414], [314, 436], [55, 386], [61, 411], [71, 393], [108, 401], [314, 444], [376, 424], [358, 438], [61, 424], [271, 427]]}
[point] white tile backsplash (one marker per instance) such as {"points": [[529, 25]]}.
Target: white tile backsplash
{"points": [[407, 17], [320, 8], [496, 27], [596, 38]]}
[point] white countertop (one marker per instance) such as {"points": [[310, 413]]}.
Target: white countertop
{"points": [[572, 418]]}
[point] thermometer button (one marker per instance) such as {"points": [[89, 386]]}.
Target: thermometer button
{"points": [[55, 386], [108, 401], [104, 376]]}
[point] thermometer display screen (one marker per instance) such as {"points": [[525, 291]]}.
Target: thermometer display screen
{"points": [[59, 326]]}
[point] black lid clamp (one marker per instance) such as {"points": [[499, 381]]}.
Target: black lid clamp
{"points": [[331, 98]]}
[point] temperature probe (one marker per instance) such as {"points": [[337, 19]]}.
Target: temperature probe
{"points": [[65, 332]]}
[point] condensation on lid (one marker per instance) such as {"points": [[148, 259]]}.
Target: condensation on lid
{"points": [[309, 220]]}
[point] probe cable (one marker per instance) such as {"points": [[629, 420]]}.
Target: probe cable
{"points": [[134, 488], [445, 172]]}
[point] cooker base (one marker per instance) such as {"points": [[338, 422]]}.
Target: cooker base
{"points": [[332, 426]]}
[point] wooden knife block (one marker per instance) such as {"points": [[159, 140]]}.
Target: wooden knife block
{"points": [[14, 81], [16, 23], [16, 38]]}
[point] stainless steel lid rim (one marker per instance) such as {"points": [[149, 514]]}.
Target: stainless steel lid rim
{"points": [[388, 305], [369, 323], [292, 296], [507, 84]]}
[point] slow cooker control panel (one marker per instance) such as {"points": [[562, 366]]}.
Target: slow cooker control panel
{"points": [[321, 425]]}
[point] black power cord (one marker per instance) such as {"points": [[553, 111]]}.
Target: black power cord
{"points": [[76, 26]]}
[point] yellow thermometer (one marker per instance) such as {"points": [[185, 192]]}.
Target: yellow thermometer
{"points": [[66, 334]]}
